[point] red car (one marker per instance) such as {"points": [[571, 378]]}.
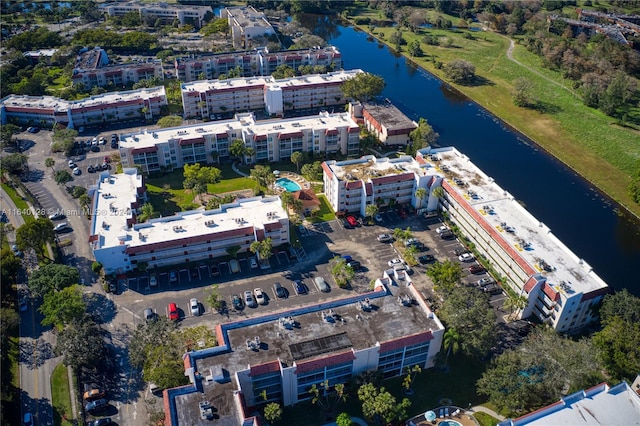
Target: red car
{"points": [[402, 214], [352, 221], [476, 269], [173, 312]]}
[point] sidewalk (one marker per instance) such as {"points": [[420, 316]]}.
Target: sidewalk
{"points": [[488, 411], [235, 169]]}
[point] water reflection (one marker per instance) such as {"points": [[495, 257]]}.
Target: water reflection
{"points": [[452, 95], [321, 25]]}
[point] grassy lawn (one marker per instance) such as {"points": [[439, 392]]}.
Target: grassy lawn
{"points": [[21, 204], [485, 420], [326, 212], [591, 143], [60, 398]]}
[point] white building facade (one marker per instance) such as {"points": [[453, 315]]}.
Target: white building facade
{"points": [[247, 24], [167, 13]]}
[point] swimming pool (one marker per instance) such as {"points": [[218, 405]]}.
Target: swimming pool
{"points": [[288, 184], [449, 423]]}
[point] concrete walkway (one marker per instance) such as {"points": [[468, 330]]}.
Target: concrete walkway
{"points": [[235, 169], [480, 408]]}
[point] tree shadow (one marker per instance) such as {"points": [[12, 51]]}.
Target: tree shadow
{"points": [[480, 81], [547, 108], [103, 310], [34, 353], [46, 414]]}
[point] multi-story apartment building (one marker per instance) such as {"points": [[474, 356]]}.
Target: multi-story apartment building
{"points": [[247, 24], [92, 69], [120, 243], [529, 260], [271, 140], [112, 107], [209, 98], [280, 356], [167, 13], [385, 121], [258, 62]]}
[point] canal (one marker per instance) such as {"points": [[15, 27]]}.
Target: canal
{"points": [[589, 223]]}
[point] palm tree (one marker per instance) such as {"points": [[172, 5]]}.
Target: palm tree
{"points": [[146, 212], [451, 342], [421, 194], [438, 192], [296, 158], [515, 304], [49, 162], [371, 210]]}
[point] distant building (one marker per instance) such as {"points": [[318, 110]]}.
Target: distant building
{"points": [[167, 13], [113, 107], [385, 121], [599, 405], [120, 243], [247, 24], [92, 69], [210, 98], [271, 140], [279, 356], [42, 55], [561, 289], [618, 27], [258, 62]]}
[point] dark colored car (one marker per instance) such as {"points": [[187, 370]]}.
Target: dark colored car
{"points": [[95, 148], [355, 265], [427, 258], [101, 422], [277, 287], [476, 269], [460, 250], [113, 286], [214, 270], [236, 301], [492, 288], [95, 405], [300, 287], [402, 213]]}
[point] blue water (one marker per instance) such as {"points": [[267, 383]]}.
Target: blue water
{"points": [[449, 423], [288, 184], [577, 213]]}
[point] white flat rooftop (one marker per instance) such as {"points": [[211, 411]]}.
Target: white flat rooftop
{"points": [[242, 122], [237, 83], [369, 167], [529, 237]]}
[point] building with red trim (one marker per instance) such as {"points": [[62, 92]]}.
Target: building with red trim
{"points": [[256, 62], [279, 356], [212, 98], [120, 243], [384, 120], [111, 107], [271, 140]]}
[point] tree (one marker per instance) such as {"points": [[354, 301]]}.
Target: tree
{"points": [[147, 212], [523, 93], [326, 396], [515, 303], [620, 304], [263, 175], [170, 121], [62, 176], [34, 235], [312, 171], [262, 248], [460, 71], [423, 136], [81, 343], [371, 210], [341, 272], [49, 162], [412, 372], [468, 311], [402, 234], [14, 163], [296, 158], [52, 277], [149, 334], [363, 87], [85, 202], [214, 299], [233, 251], [60, 308], [273, 412], [196, 177], [283, 71], [344, 419], [421, 194], [396, 39], [379, 406], [415, 50], [238, 149], [6, 134], [438, 192], [451, 342], [63, 140], [618, 345]]}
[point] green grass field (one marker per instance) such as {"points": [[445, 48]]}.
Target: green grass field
{"points": [[60, 397], [485, 420], [583, 138], [326, 212], [20, 203]]}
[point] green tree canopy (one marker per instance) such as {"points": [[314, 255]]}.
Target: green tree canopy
{"points": [[81, 343], [312, 171], [273, 412], [620, 304], [13, 163], [296, 158], [262, 248], [618, 346], [52, 277], [283, 71], [197, 177], [363, 87], [40, 38], [60, 308], [7, 131], [170, 121], [263, 175], [379, 406], [219, 25], [460, 71], [445, 275], [422, 136], [34, 235]]}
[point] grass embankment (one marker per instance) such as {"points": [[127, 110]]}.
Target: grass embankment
{"points": [[589, 142], [20, 203], [60, 396], [485, 420]]}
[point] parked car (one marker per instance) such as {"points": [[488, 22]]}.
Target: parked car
{"points": [[93, 394], [249, 300], [234, 265], [95, 148], [236, 302], [394, 262], [442, 229], [27, 419], [279, 290], [16, 251], [322, 285], [56, 216], [214, 270], [77, 171], [355, 265], [427, 258], [60, 227], [173, 276], [447, 235], [24, 304], [483, 282], [72, 164], [402, 213], [149, 315], [113, 286], [492, 288], [385, 238], [33, 129], [466, 257], [194, 305], [173, 312], [101, 422], [476, 269], [352, 220], [260, 297], [300, 287], [378, 218], [460, 250], [95, 405], [153, 280], [253, 262]]}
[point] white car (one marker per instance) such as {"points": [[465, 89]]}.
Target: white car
{"points": [[466, 257], [249, 300], [72, 164], [441, 229], [394, 262], [195, 306], [153, 280], [253, 262], [260, 297], [378, 218]]}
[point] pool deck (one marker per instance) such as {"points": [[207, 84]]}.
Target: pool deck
{"points": [[462, 418]]}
